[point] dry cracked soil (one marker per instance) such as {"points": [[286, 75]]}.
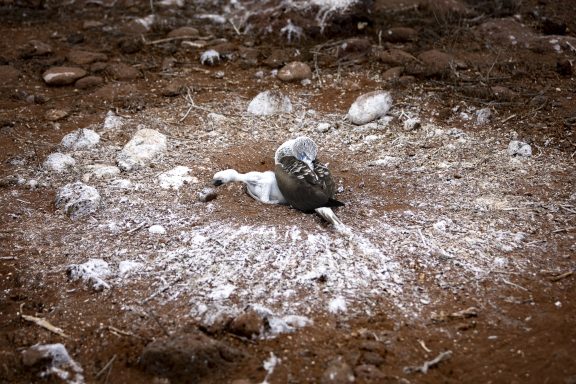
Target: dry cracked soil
{"points": [[459, 261]]}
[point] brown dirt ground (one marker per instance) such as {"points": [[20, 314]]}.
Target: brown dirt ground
{"points": [[522, 334]]}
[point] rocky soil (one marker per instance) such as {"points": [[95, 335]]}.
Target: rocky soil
{"points": [[448, 127]]}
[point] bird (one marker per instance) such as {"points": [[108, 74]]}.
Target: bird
{"points": [[303, 181], [260, 186]]}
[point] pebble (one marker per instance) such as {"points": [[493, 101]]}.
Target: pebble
{"points": [[122, 72], [270, 103], [89, 82], [369, 107], [396, 57], [436, 63], [126, 266], [207, 194], [77, 200], [59, 162], [55, 360], [323, 127], [35, 48], [182, 356], [393, 73], [56, 114], [519, 148], [248, 324], [8, 74], [80, 139], [91, 272], [483, 116], [102, 170], [80, 57], [112, 121], [338, 372], [295, 71], [412, 123], [210, 57], [400, 35], [184, 32], [145, 145], [369, 373], [157, 229], [130, 45], [63, 75], [176, 178], [355, 45]]}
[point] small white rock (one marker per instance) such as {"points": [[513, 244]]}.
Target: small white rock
{"points": [[146, 145], [91, 272], [112, 121], [412, 124], [59, 162], [210, 57], [369, 107], [102, 170], [157, 229], [269, 103], [337, 305], [483, 116], [80, 139], [55, 360], [176, 178], [519, 148], [127, 266], [121, 184], [323, 127], [77, 199]]}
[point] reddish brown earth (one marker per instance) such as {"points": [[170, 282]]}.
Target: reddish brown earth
{"points": [[522, 328]]}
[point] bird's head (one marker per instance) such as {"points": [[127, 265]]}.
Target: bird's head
{"points": [[224, 177], [303, 148]]}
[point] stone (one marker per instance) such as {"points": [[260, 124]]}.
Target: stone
{"points": [[92, 273], [58, 162], [77, 200], [323, 127], [207, 194], [55, 360], [35, 48], [400, 35], [184, 32], [396, 57], [89, 82], [269, 103], [503, 93], [8, 75], [101, 171], [80, 57], [295, 71], [176, 178], [56, 114], [80, 139], [436, 63], [519, 148], [122, 72], [63, 75], [182, 356], [174, 88], [412, 123], [248, 324], [356, 46], [157, 229], [338, 372], [369, 373], [369, 107], [483, 116], [145, 146], [210, 57], [130, 45], [393, 73]]}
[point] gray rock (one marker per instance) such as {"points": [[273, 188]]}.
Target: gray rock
{"points": [[77, 200], [412, 124], [59, 162], [295, 71], [338, 372], [483, 116], [519, 148], [369, 107], [56, 114], [184, 32], [80, 139], [35, 48], [63, 75], [176, 178], [102, 170], [183, 356], [436, 63], [207, 194], [55, 360], [400, 35], [270, 103], [145, 146], [91, 272], [393, 73], [210, 57]]}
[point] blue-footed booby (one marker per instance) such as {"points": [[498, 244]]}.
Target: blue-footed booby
{"points": [[304, 182], [260, 186]]}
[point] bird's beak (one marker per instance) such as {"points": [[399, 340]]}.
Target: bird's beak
{"points": [[217, 182]]}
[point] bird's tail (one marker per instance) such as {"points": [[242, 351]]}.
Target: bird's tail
{"points": [[328, 214]]}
